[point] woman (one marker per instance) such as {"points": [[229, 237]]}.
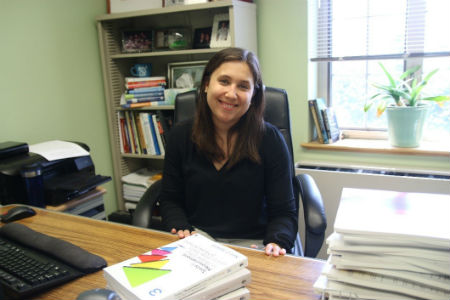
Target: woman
{"points": [[228, 173]]}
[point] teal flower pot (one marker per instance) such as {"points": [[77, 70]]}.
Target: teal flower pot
{"points": [[405, 125]]}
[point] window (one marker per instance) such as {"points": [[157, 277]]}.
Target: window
{"points": [[353, 36]]}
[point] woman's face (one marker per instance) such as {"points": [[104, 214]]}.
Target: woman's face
{"points": [[229, 92]]}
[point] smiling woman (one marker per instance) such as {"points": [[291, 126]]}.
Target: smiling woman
{"points": [[227, 173]]}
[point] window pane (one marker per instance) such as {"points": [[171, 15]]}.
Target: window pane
{"points": [[438, 125], [437, 29], [348, 82], [351, 87]]}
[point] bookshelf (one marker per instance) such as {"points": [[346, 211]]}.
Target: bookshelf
{"points": [[116, 64]]}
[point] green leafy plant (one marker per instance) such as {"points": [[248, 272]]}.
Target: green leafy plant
{"points": [[404, 91]]}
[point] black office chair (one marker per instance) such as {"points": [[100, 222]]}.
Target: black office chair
{"points": [[276, 113]]}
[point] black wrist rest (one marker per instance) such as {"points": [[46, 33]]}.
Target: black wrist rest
{"points": [[66, 252]]}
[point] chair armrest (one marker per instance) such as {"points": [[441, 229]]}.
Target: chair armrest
{"points": [[142, 216], [314, 211]]}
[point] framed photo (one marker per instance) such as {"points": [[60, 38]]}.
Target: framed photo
{"points": [[185, 74], [202, 37], [172, 38], [221, 36], [137, 40]]}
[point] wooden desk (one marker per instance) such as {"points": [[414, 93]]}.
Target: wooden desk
{"points": [[285, 277]]}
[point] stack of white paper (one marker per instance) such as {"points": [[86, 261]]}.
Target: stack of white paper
{"points": [[191, 268], [135, 184], [389, 245]]}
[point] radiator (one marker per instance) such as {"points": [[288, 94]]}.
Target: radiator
{"points": [[332, 178]]}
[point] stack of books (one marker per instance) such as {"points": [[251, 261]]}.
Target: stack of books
{"points": [[143, 91], [325, 121], [191, 268], [135, 184], [388, 245]]}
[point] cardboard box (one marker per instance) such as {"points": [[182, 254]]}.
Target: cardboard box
{"points": [[119, 6]]}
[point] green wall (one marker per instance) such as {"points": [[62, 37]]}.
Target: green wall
{"points": [[50, 77], [51, 83], [283, 53]]}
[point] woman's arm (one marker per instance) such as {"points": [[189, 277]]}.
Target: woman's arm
{"points": [[281, 207], [172, 191]]}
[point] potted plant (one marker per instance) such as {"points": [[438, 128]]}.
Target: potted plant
{"points": [[407, 110]]}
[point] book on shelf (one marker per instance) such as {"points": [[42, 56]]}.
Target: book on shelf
{"points": [[145, 142], [331, 124], [129, 129], [175, 271], [146, 90], [137, 148], [144, 99], [150, 78], [146, 104], [315, 105], [162, 133], [123, 135], [159, 95], [149, 137], [154, 135], [140, 129], [141, 84], [389, 245], [158, 135]]}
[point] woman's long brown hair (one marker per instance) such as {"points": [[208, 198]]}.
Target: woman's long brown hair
{"points": [[249, 128]]}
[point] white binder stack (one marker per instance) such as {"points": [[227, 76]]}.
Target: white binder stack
{"points": [[389, 245]]}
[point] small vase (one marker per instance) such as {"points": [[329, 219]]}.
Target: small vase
{"points": [[405, 124]]}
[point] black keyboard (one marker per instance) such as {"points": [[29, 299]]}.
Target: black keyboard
{"points": [[25, 272], [32, 262]]}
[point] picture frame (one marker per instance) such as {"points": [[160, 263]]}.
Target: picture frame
{"points": [[202, 38], [221, 36], [185, 74], [172, 38], [137, 41]]}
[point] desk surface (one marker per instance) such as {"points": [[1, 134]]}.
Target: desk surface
{"points": [[285, 277]]}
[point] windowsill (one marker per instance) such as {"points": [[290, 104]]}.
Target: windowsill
{"points": [[379, 146]]}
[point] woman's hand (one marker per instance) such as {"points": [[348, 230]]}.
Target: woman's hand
{"points": [[274, 250], [182, 233]]}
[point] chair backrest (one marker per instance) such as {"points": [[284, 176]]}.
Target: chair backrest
{"points": [[276, 111]]}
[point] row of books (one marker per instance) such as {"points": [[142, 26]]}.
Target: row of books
{"points": [[135, 184], [388, 245], [148, 91], [191, 268], [325, 121], [143, 132]]}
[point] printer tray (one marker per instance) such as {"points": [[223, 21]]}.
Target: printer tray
{"points": [[64, 188]]}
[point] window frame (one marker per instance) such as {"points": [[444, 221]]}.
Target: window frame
{"points": [[324, 66]]}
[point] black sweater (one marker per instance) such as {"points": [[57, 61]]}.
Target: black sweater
{"points": [[250, 200]]}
